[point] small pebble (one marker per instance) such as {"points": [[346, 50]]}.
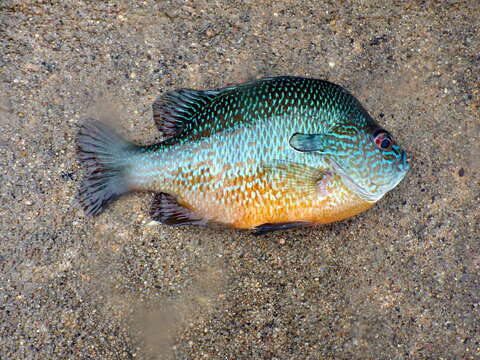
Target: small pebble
{"points": [[210, 33]]}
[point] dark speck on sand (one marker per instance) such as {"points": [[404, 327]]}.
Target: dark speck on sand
{"points": [[400, 281]]}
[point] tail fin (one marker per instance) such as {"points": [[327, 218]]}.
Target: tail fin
{"points": [[102, 153]]}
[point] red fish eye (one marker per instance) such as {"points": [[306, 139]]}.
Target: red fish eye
{"points": [[382, 140]]}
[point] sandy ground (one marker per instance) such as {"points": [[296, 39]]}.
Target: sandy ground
{"points": [[400, 281]]}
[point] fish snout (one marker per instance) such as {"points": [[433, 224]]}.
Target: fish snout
{"points": [[404, 163]]}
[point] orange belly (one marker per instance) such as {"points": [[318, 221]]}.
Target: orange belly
{"points": [[268, 202], [314, 215], [335, 206]]}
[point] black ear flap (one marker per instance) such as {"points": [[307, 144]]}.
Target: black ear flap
{"points": [[307, 142]]}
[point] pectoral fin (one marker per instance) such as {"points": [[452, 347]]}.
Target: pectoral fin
{"points": [[296, 177], [307, 142]]}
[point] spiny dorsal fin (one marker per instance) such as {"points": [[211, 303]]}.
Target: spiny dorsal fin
{"points": [[168, 211], [172, 110]]}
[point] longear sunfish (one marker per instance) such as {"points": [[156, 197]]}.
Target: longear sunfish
{"points": [[270, 154]]}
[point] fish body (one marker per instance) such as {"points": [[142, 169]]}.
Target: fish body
{"points": [[266, 154]]}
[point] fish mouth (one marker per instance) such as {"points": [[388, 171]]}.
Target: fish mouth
{"points": [[404, 162], [360, 191]]}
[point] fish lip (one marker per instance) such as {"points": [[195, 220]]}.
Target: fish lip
{"points": [[405, 162], [352, 185], [403, 159]]}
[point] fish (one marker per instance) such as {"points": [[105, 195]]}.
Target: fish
{"points": [[271, 154]]}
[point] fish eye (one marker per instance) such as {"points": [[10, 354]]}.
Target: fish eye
{"points": [[382, 140]]}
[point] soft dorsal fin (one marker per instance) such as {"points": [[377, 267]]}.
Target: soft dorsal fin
{"points": [[174, 109], [168, 211]]}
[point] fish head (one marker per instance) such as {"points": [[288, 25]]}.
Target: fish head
{"points": [[366, 157]]}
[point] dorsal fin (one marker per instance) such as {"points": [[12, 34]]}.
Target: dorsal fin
{"points": [[172, 110]]}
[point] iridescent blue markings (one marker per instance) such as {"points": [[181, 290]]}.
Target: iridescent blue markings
{"points": [[229, 146]]}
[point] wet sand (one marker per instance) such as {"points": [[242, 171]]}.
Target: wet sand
{"points": [[400, 281]]}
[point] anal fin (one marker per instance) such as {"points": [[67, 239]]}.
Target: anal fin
{"points": [[168, 211], [269, 227]]}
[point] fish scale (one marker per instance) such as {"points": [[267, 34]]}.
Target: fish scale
{"points": [[258, 153]]}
